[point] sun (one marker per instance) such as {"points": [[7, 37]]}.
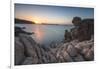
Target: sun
{"points": [[37, 22]]}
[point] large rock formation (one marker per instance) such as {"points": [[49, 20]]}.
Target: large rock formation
{"points": [[83, 29], [86, 29], [27, 51]]}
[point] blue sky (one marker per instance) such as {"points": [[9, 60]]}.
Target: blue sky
{"points": [[51, 14]]}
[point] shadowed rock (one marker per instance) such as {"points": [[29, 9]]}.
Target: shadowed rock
{"points": [[67, 36], [74, 33], [86, 29], [19, 30], [19, 52], [83, 30], [76, 21]]}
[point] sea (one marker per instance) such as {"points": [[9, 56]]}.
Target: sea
{"points": [[46, 34]]}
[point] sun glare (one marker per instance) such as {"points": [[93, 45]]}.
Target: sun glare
{"points": [[37, 22]]}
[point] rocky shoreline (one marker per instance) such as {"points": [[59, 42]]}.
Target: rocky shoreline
{"points": [[77, 46]]}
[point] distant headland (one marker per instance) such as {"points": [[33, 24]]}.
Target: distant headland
{"points": [[22, 21]]}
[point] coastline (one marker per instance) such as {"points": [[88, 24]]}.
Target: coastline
{"points": [[78, 46]]}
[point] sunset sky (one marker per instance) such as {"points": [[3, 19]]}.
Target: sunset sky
{"points": [[51, 14]]}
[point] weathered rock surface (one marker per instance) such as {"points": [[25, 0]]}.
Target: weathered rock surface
{"points": [[86, 29], [83, 29], [67, 36], [74, 33], [19, 52], [27, 51]]}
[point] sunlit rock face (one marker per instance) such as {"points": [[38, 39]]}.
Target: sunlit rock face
{"points": [[80, 51]]}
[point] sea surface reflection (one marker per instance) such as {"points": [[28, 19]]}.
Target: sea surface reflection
{"points": [[46, 34]]}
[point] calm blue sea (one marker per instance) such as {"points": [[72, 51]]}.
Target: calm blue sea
{"points": [[46, 34]]}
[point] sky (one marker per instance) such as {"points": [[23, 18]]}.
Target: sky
{"points": [[51, 14]]}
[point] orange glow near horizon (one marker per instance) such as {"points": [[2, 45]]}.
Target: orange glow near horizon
{"points": [[40, 20], [36, 20]]}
